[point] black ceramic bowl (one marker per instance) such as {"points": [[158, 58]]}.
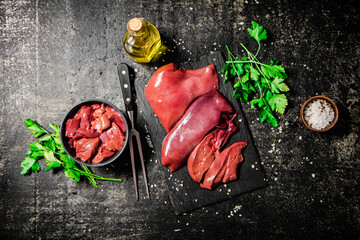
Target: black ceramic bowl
{"points": [[65, 140]]}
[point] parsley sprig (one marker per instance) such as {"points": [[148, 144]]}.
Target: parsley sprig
{"points": [[255, 77], [49, 148]]}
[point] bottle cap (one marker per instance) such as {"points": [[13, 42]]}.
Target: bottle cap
{"points": [[135, 24]]}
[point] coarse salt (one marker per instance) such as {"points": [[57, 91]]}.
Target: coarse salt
{"points": [[319, 114]]}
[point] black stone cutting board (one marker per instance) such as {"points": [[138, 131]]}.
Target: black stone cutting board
{"points": [[185, 194]]}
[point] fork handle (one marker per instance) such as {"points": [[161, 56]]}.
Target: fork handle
{"points": [[124, 77]]}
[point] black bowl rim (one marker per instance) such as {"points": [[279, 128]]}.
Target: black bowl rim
{"points": [[72, 111]]}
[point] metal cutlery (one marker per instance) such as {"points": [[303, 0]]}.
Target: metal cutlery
{"points": [[124, 77]]}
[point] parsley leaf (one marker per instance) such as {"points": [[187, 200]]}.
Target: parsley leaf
{"points": [[36, 155], [36, 147], [51, 161], [278, 85], [50, 148], [259, 102], [55, 128], [45, 138], [266, 114], [29, 165], [36, 129], [255, 78], [254, 74], [258, 32], [67, 162], [72, 174], [278, 102]]}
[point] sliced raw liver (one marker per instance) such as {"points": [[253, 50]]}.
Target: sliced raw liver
{"points": [[224, 167], [117, 138], [86, 148], [81, 132], [84, 115], [115, 117], [94, 136], [72, 125], [101, 123], [98, 110], [102, 155], [234, 158], [201, 158]]}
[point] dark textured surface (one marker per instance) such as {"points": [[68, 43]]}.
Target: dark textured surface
{"points": [[57, 53]]}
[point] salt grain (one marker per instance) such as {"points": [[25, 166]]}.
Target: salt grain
{"points": [[319, 114]]}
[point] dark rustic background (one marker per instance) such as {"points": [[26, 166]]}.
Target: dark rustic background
{"points": [[55, 54]]}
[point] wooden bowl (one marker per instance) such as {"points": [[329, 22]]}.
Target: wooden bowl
{"points": [[333, 105]]}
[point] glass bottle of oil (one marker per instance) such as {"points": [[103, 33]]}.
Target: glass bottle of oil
{"points": [[142, 40]]}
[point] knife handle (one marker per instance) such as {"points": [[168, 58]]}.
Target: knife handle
{"points": [[124, 77]]}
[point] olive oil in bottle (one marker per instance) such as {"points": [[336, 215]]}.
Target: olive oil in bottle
{"points": [[141, 41]]}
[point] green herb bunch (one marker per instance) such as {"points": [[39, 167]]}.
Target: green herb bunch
{"points": [[49, 148], [265, 80]]}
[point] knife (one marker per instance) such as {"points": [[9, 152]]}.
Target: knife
{"points": [[124, 77]]}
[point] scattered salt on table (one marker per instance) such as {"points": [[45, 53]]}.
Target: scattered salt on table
{"points": [[319, 114]]}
